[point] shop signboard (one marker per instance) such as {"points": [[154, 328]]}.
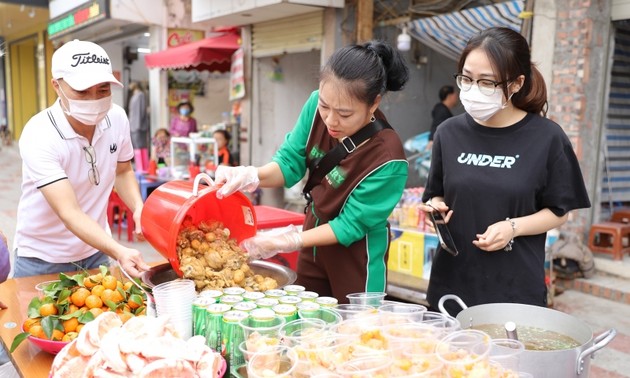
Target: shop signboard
{"points": [[237, 80], [79, 18], [178, 37]]}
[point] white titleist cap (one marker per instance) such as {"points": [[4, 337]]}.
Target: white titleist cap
{"points": [[82, 64]]}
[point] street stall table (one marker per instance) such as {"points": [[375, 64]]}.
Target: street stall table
{"points": [[17, 293]]}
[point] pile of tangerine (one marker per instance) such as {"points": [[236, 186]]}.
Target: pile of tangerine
{"points": [[72, 301]]}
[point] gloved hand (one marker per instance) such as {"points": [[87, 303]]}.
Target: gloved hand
{"points": [[266, 245], [235, 179]]}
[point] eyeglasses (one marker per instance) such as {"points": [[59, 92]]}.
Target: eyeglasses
{"points": [[90, 157], [487, 87]]}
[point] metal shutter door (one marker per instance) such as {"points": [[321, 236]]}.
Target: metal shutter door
{"points": [[288, 35]]}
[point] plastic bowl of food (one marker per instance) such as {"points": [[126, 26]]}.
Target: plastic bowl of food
{"points": [[48, 346]]}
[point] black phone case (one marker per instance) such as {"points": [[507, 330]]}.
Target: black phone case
{"points": [[444, 235]]}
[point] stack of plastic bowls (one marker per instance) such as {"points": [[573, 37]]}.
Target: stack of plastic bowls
{"points": [[174, 299]]}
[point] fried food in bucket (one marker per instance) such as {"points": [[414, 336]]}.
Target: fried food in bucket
{"points": [[208, 256]]}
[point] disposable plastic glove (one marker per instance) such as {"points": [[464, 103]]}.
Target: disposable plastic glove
{"points": [[235, 179], [266, 245]]}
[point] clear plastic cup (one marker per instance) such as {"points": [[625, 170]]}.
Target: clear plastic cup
{"points": [[414, 337], [297, 331], [427, 366], [373, 299], [446, 324], [248, 352], [400, 313], [278, 362], [323, 355], [174, 299], [330, 316], [507, 352], [465, 353], [349, 311], [366, 367], [44, 285], [267, 327]]}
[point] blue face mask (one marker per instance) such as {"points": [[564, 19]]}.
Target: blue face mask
{"points": [[184, 111]]}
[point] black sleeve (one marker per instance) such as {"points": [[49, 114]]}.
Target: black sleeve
{"points": [[440, 113]]}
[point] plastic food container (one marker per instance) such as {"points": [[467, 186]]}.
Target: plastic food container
{"points": [[170, 204]]}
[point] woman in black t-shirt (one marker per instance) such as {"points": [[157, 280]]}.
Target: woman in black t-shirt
{"points": [[502, 174]]}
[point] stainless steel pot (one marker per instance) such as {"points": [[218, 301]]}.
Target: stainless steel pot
{"points": [[542, 364], [165, 273]]}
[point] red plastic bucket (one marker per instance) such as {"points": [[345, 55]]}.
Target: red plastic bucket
{"points": [[168, 205]]}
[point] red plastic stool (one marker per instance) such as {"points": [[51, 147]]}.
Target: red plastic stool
{"points": [[621, 215], [610, 237], [115, 202]]}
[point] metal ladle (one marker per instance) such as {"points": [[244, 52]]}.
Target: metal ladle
{"points": [[151, 310], [510, 330]]}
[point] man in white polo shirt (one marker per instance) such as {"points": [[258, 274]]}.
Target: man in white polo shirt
{"points": [[73, 154]]}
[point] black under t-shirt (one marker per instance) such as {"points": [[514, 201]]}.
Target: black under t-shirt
{"points": [[486, 175]]}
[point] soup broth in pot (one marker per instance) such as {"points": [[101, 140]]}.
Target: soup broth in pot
{"points": [[534, 338]]}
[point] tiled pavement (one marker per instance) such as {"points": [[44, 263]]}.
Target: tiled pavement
{"points": [[603, 302]]}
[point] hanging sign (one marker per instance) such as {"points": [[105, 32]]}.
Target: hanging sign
{"points": [[78, 18], [237, 77]]}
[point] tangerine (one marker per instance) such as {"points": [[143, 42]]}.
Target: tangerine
{"points": [[70, 336], [107, 295], [117, 297], [79, 296], [124, 316], [127, 285], [37, 331], [70, 325], [92, 301], [98, 290], [48, 309], [79, 327], [57, 335], [28, 323], [135, 301], [110, 282], [93, 280], [96, 311], [72, 308]]}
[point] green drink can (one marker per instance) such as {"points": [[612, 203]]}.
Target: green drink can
{"points": [[231, 337], [211, 294], [214, 324], [275, 293], [252, 296], [308, 309], [327, 302], [289, 299], [267, 302], [231, 299], [235, 290], [245, 306], [199, 306], [287, 311], [261, 317], [308, 296], [294, 289]]}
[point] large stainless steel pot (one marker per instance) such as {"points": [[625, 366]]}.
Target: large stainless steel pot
{"points": [[165, 273], [542, 364]]}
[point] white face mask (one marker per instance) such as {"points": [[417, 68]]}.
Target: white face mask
{"points": [[88, 112], [480, 106]]}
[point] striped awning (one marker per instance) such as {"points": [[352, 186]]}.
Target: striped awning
{"points": [[449, 33]]}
